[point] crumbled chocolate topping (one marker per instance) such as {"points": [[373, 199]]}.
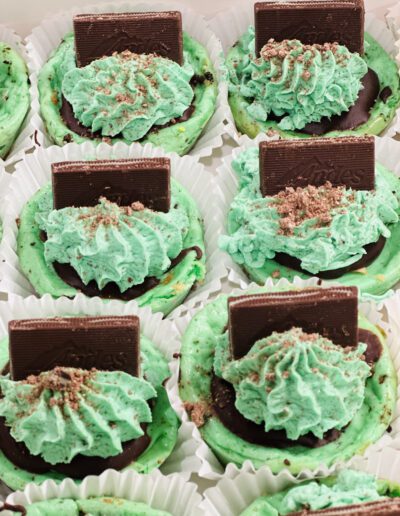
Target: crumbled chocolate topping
{"points": [[296, 205], [197, 412], [282, 49], [62, 380]]}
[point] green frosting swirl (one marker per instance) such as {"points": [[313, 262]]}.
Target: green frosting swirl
{"points": [[295, 382], [65, 412], [255, 234], [127, 94], [140, 241], [350, 487], [302, 83]]}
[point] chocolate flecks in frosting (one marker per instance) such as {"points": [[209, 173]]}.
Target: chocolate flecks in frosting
{"points": [[66, 381], [298, 205], [224, 396]]}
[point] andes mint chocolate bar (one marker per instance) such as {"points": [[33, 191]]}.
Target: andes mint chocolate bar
{"points": [[99, 35], [311, 21], [389, 507], [106, 343], [344, 161], [331, 312], [82, 183]]}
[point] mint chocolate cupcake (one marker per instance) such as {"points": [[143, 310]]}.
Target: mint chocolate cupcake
{"points": [[288, 379], [90, 397], [287, 77], [14, 96], [350, 492], [320, 207], [118, 229], [130, 77]]}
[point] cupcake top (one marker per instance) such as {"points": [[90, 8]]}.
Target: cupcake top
{"points": [[132, 77], [351, 490], [324, 216], [57, 413], [130, 210], [295, 82]]}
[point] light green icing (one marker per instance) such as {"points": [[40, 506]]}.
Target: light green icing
{"points": [[350, 487], [128, 93], [14, 96], [196, 369], [163, 429], [141, 243], [302, 83], [254, 230], [175, 283], [107, 411], [95, 506], [179, 137], [381, 114], [297, 382]]}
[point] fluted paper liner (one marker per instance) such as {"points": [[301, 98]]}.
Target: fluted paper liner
{"points": [[230, 25], [48, 35], [387, 152], [211, 468], [168, 493], [163, 334], [231, 496], [35, 171], [23, 142]]}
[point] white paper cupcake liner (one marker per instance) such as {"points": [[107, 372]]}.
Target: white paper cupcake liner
{"points": [[23, 141], [163, 334], [393, 20], [212, 469], [387, 152], [231, 496], [229, 26], [47, 36], [35, 171], [168, 493]]}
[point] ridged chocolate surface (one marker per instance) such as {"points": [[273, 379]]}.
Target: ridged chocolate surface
{"points": [[107, 343], [123, 181], [389, 507], [331, 312], [223, 396], [99, 35], [315, 21], [345, 161]]}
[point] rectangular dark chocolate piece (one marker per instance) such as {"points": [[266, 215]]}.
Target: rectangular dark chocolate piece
{"points": [[99, 35], [331, 312], [386, 507], [312, 21], [106, 343], [345, 161], [124, 181]]}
